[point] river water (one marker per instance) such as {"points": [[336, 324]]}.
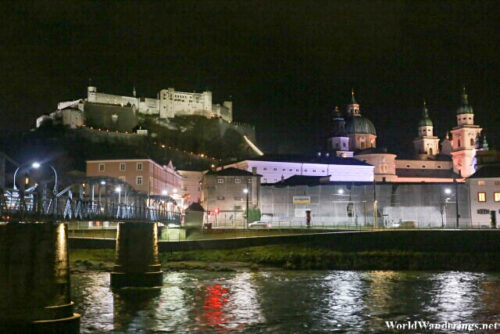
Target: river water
{"points": [[285, 301]]}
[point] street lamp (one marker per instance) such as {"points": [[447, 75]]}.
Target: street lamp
{"points": [[36, 165], [164, 192], [245, 191]]}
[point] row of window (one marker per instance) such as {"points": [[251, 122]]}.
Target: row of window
{"points": [[236, 180], [122, 167], [290, 170], [482, 183], [481, 197]]}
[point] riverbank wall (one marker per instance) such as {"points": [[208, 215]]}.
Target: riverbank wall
{"points": [[464, 241]]}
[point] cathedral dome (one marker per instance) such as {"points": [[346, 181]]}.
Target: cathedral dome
{"points": [[359, 124]]}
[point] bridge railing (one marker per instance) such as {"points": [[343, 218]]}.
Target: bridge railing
{"points": [[29, 208]]}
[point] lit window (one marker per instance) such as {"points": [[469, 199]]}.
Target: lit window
{"points": [[139, 166], [481, 197], [101, 167], [480, 183], [497, 197], [220, 180], [138, 180], [122, 166]]}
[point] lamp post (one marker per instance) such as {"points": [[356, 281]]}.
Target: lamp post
{"points": [[36, 165], [456, 202], [118, 190], [245, 191]]}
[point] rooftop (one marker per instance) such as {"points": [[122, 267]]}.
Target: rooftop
{"points": [[231, 172], [323, 159], [486, 171]]}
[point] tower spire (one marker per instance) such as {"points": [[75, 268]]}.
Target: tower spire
{"points": [[353, 99]]}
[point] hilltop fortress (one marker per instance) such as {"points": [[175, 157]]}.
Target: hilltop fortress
{"points": [[168, 103]]}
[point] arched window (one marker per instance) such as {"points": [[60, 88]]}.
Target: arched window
{"points": [[430, 151]]}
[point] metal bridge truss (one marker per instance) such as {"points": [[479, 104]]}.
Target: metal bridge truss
{"points": [[88, 199]]}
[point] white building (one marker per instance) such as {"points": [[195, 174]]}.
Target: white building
{"points": [[484, 190], [170, 103], [275, 168], [191, 186]]}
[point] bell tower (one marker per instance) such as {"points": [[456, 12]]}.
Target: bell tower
{"points": [[339, 141], [463, 139], [426, 143]]}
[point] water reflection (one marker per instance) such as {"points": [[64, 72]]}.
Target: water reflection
{"points": [[455, 295], [285, 301]]}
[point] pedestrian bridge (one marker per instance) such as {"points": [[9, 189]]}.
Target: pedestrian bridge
{"points": [[88, 199]]}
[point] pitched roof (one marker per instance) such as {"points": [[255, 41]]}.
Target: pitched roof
{"points": [[323, 159], [231, 172], [486, 171]]}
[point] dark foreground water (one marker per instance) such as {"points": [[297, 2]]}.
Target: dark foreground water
{"points": [[286, 301]]}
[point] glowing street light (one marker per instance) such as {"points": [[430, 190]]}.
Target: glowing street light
{"points": [[164, 192], [35, 165], [447, 191], [103, 183], [340, 191], [245, 191]]}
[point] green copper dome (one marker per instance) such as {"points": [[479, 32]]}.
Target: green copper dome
{"points": [[464, 108], [359, 124], [425, 121]]}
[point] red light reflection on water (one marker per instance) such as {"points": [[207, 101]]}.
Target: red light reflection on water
{"points": [[216, 298]]}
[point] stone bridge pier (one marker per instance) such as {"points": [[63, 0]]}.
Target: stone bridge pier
{"points": [[137, 262], [35, 279]]}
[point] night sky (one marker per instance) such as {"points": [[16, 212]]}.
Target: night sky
{"points": [[285, 64]]}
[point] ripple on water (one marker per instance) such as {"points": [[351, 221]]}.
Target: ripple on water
{"points": [[284, 301]]}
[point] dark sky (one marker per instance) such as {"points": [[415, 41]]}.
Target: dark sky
{"points": [[285, 64]]}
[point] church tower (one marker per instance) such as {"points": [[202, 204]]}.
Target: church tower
{"points": [[426, 143], [463, 140], [339, 141]]}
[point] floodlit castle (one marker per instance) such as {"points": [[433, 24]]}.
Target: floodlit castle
{"points": [[117, 112], [168, 104], [355, 136]]}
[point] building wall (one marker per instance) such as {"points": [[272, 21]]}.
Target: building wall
{"points": [[361, 141], [191, 185], [151, 179], [385, 165], [226, 192], [426, 204], [275, 171], [480, 211], [423, 164], [72, 118]]}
